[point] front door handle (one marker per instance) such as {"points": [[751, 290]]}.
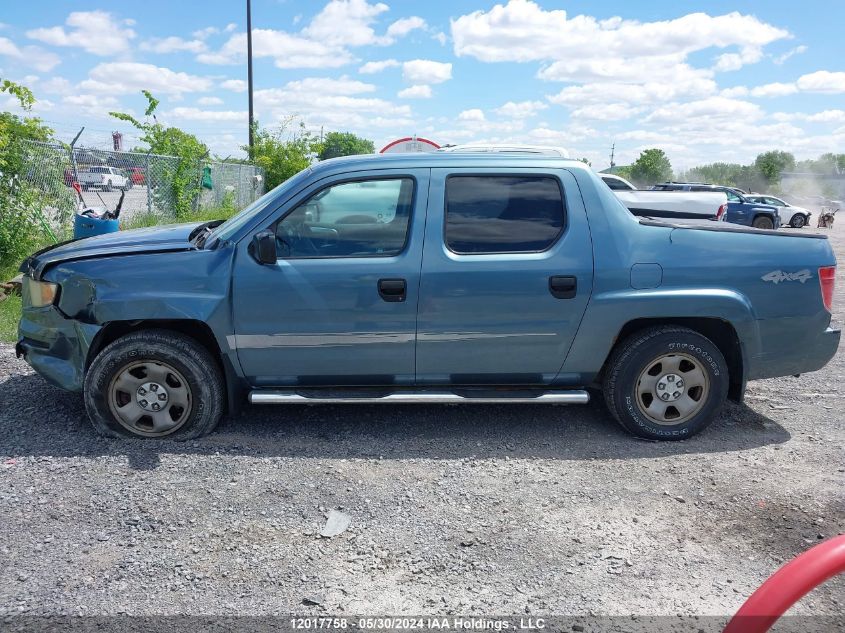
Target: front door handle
{"points": [[392, 290], [563, 286]]}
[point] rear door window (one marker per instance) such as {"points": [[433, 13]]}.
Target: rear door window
{"points": [[503, 214]]}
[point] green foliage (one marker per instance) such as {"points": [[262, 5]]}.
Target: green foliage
{"points": [[183, 174], [281, 153], [23, 94], [10, 314], [651, 167], [824, 164], [772, 164], [585, 161], [144, 220], [345, 144], [32, 208]]}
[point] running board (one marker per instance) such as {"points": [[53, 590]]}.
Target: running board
{"points": [[410, 397]]}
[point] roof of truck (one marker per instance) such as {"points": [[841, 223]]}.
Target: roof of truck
{"points": [[443, 159]]}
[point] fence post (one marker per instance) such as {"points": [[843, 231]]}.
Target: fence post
{"points": [[147, 180], [73, 154]]}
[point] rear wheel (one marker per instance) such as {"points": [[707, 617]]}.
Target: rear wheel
{"points": [[798, 221], [154, 384], [666, 383], [763, 222]]}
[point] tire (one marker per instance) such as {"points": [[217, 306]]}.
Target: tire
{"points": [[661, 356], [128, 185], [107, 186], [763, 222], [798, 221], [122, 380]]}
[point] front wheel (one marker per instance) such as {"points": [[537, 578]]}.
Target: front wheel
{"points": [[666, 383], [763, 222], [154, 384], [797, 221]]}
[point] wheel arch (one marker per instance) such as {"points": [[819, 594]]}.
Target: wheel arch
{"points": [[721, 332], [193, 328]]}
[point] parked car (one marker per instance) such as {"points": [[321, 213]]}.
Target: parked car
{"points": [[103, 177], [741, 209], [138, 175], [700, 205], [427, 277], [796, 217]]}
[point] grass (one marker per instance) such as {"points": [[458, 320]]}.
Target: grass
{"points": [[10, 309]]}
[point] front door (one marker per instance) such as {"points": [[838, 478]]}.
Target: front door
{"points": [[339, 306], [507, 273]]}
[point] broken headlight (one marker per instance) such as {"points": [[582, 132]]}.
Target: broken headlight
{"points": [[38, 294]]}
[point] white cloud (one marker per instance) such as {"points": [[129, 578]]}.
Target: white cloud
{"points": [[473, 114], [370, 68], [90, 101], [287, 51], [205, 33], [599, 93], [440, 36], [523, 31], [342, 86], [130, 77], [735, 61], [621, 69], [197, 114], [230, 28], [95, 32], [30, 56], [172, 44], [403, 26], [775, 89], [425, 71], [345, 23], [521, 109], [209, 101], [780, 59], [420, 91], [706, 110], [235, 85], [606, 112], [822, 81]]}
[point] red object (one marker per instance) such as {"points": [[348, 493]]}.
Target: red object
{"points": [[419, 139], [137, 175], [722, 210], [827, 279], [788, 585]]}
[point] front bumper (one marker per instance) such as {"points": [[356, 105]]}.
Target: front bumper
{"points": [[54, 346]]}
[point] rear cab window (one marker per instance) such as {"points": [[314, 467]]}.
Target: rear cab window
{"points": [[490, 214]]}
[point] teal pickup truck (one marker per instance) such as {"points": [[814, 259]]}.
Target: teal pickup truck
{"points": [[440, 277]]}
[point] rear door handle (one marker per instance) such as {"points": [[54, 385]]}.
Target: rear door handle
{"points": [[563, 286], [392, 290]]}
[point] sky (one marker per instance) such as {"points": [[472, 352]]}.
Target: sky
{"points": [[705, 81]]}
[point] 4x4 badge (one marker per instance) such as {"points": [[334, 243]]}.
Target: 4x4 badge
{"points": [[777, 276]]}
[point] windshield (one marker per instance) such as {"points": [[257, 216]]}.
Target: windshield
{"points": [[231, 226]]}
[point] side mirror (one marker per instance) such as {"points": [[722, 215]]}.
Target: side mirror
{"points": [[264, 247]]}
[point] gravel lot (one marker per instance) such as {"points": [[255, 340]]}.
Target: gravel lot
{"points": [[455, 509]]}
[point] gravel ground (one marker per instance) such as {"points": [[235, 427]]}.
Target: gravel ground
{"points": [[455, 509]]}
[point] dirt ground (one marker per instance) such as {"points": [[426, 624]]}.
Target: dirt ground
{"points": [[512, 509]]}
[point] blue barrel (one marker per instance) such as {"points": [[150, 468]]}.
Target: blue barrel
{"points": [[85, 226]]}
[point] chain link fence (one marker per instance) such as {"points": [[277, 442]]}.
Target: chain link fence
{"points": [[151, 184]]}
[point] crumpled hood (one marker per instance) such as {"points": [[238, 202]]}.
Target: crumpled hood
{"points": [[158, 239]]}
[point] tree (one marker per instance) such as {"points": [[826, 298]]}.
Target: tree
{"points": [[280, 153], [651, 167], [345, 144], [772, 164], [183, 177], [585, 161]]}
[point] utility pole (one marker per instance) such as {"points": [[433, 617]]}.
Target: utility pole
{"points": [[249, 71], [612, 150]]}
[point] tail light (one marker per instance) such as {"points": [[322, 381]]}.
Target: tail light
{"points": [[720, 214], [827, 279]]}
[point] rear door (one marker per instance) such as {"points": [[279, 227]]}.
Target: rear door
{"points": [[506, 275]]}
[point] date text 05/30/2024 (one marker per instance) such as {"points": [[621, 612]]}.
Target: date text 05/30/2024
{"points": [[419, 623]]}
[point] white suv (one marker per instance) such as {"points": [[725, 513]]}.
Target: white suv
{"points": [[106, 178]]}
